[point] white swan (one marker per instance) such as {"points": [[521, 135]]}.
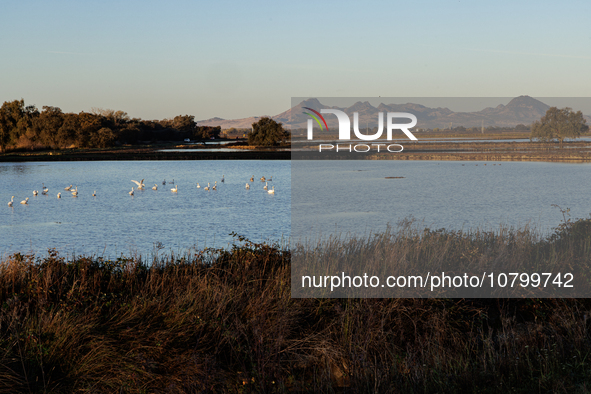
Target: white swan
{"points": [[75, 192], [44, 192], [68, 188], [25, 201], [35, 192], [140, 185], [198, 187], [272, 191], [131, 192], [59, 195], [11, 201], [266, 186], [214, 187], [155, 187], [176, 189], [247, 186], [207, 187], [44, 188]]}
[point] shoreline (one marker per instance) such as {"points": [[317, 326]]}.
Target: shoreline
{"points": [[576, 151], [572, 151], [142, 153]]}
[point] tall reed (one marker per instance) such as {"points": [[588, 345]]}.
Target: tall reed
{"points": [[224, 321]]}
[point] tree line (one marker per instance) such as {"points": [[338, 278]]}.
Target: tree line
{"points": [[26, 127]]}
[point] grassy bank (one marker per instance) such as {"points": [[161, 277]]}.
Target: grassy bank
{"points": [[224, 321], [572, 151], [143, 152], [507, 262]]}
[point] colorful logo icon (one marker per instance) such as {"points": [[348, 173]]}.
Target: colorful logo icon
{"points": [[316, 118]]}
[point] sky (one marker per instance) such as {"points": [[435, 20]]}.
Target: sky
{"points": [[230, 59]]}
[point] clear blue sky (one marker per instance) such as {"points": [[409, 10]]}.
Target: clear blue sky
{"points": [[158, 59]]}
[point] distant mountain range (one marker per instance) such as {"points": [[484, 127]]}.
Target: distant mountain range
{"points": [[520, 110]]}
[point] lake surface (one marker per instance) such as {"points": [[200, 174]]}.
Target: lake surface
{"points": [[354, 197], [114, 222], [313, 198]]}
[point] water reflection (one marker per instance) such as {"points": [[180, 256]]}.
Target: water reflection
{"points": [[356, 197], [113, 222], [18, 169]]}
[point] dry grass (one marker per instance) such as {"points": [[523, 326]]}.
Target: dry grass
{"points": [[411, 250], [224, 321]]}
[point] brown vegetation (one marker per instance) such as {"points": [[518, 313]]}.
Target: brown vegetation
{"points": [[558, 124], [267, 132], [146, 152], [224, 321], [25, 128], [575, 151]]}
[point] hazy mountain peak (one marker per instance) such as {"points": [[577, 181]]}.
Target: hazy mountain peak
{"points": [[520, 110], [527, 102], [311, 102], [359, 106]]}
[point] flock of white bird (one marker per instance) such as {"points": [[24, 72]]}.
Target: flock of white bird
{"points": [[175, 189], [141, 186]]}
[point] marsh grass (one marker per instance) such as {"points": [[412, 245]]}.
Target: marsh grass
{"points": [[412, 250], [223, 320]]}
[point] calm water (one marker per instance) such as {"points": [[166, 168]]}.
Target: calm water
{"points": [[354, 196], [113, 222], [313, 198]]}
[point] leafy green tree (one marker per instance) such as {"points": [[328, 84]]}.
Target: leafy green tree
{"points": [[25, 125], [130, 134], [48, 124], [66, 134], [11, 113], [90, 124], [206, 132], [559, 124], [103, 138], [267, 132], [184, 122]]}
